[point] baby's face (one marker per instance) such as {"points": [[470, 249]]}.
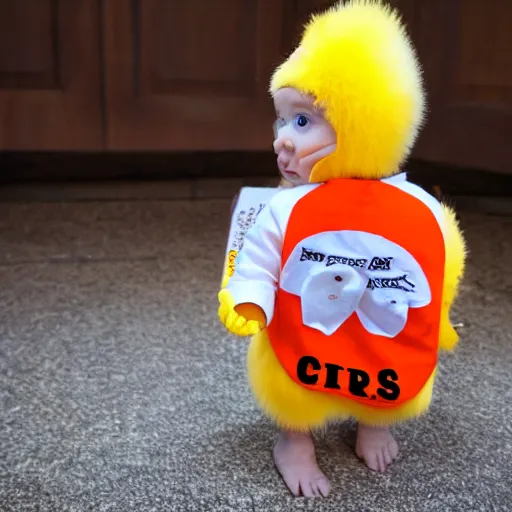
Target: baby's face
{"points": [[302, 135]]}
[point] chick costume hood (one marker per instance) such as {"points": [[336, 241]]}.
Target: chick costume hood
{"points": [[357, 61]]}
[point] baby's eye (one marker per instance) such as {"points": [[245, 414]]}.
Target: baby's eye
{"points": [[301, 121]]}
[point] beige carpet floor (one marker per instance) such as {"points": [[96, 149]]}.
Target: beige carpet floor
{"points": [[120, 391]]}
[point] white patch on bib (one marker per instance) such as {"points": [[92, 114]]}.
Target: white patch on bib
{"points": [[338, 273]]}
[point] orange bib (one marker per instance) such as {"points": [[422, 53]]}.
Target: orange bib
{"points": [[372, 369]]}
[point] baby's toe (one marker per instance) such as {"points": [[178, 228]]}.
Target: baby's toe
{"points": [[381, 461], [372, 461], [388, 459], [323, 486], [306, 488]]}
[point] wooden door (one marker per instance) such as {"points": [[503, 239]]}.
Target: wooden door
{"points": [[194, 75], [465, 47], [296, 13], [50, 86]]}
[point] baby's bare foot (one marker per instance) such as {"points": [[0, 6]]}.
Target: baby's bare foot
{"points": [[295, 459], [376, 446]]}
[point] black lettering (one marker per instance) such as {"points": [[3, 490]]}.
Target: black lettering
{"points": [[379, 263], [387, 380], [302, 369], [332, 260], [404, 278], [390, 283], [260, 208], [331, 381], [361, 263], [311, 255], [357, 382], [342, 260]]}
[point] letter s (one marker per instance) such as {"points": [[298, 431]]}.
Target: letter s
{"points": [[387, 380]]}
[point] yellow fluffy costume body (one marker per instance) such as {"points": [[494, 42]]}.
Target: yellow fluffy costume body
{"points": [[358, 63]]}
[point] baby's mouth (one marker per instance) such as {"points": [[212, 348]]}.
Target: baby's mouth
{"points": [[290, 174]]}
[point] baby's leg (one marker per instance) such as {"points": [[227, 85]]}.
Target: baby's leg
{"points": [[375, 443], [376, 446], [295, 459], [296, 411], [294, 454]]}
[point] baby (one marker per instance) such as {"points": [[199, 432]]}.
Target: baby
{"points": [[346, 307]]}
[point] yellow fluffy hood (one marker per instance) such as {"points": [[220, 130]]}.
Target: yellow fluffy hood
{"points": [[358, 62]]}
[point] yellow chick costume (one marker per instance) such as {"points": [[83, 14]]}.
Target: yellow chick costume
{"points": [[357, 61]]}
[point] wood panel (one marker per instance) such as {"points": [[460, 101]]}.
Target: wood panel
{"points": [[50, 87], [194, 75], [466, 50], [296, 14]]}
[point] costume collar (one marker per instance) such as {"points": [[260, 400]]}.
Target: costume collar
{"points": [[397, 178]]}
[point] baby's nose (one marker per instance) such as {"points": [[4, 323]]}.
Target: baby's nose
{"points": [[283, 143]]}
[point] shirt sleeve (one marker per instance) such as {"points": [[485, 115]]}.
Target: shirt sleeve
{"points": [[257, 266]]}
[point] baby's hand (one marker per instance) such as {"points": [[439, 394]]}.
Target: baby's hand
{"points": [[242, 320]]}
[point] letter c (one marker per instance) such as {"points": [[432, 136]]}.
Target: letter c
{"points": [[302, 369]]}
